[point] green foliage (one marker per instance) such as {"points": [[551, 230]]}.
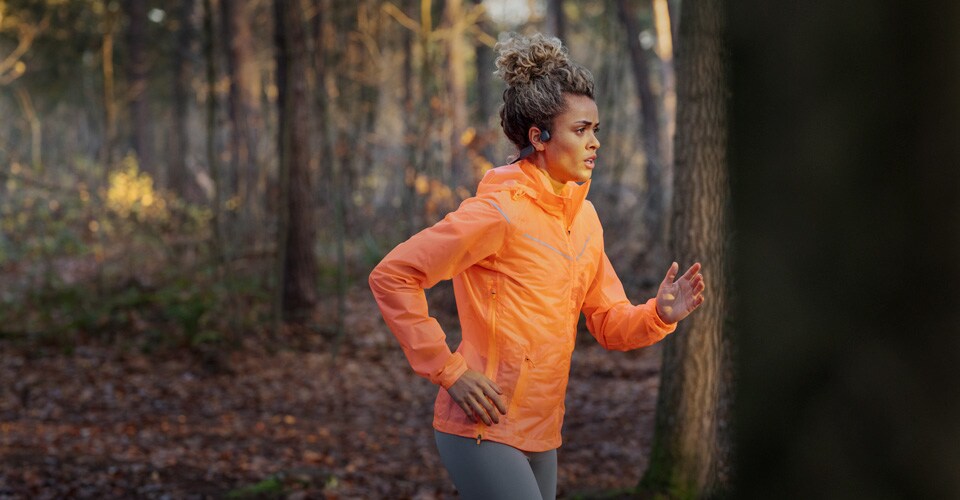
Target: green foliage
{"points": [[272, 487], [663, 479], [122, 262]]}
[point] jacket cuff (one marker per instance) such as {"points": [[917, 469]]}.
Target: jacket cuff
{"points": [[658, 321], [451, 371]]}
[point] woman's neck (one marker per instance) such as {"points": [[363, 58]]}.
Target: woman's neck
{"points": [[541, 163]]}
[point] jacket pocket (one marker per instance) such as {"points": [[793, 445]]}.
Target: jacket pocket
{"points": [[523, 381]]}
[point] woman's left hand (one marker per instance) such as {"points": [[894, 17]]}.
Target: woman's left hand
{"points": [[677, 299]]}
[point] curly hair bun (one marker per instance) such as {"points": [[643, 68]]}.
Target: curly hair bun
{"points": [[538, 73], [523, 59]]}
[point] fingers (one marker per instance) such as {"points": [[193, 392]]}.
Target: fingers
{"points": [[479, 398], [483, 408], [492, 402], [671, 273], [694, 269], [699, 286]]}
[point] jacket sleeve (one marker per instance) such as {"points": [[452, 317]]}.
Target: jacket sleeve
{"points": [[473, 232], [613, 320]]}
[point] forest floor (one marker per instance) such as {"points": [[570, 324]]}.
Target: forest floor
{"points": [[284, 422]]}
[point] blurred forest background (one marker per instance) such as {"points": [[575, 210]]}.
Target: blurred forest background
{"points": [[144, 186], [192, 194], [188, 187]]}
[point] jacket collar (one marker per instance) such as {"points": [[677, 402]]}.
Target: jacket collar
{"points": [[524, 178]]}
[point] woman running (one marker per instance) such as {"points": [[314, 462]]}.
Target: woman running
{"points": [[526, 257]]}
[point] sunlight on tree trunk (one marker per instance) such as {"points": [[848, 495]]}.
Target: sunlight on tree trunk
{"points": [[690, 449], [36, 132]]}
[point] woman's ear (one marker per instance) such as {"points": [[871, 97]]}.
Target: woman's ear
{"points": [[538, 137]]}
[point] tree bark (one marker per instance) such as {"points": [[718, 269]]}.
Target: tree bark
{"points": [[297, 262], [109, 92], [213, 162], [556, 19], [484, 87], [690, 450], [244, 102], [136, 11], [178, 174], [410, 200], [844, 158], [648, 105], [457, 88]]}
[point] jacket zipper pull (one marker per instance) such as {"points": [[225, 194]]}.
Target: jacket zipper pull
{"points": [[479, 437]]}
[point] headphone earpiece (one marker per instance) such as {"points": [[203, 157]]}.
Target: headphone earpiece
{"points": [[544, 135]]}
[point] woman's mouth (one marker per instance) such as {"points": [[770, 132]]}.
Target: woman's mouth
{"points": [[590, 162]]}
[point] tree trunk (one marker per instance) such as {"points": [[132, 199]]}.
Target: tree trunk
{"points": [[109, 92], [244, 105], [484, 87], [648, 106], [136, 11], [297, 261], [690, 448], [178, 175], [556, 19], [844, 164], [213, 162], [457, 65], [411, 206]]}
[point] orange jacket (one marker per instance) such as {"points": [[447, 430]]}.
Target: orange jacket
{"points": [[524, 262]]}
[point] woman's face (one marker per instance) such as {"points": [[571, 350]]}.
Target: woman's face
{"points": [[571, 152]]}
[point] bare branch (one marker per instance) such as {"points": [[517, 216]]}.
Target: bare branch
{"points": [[12, 67]]}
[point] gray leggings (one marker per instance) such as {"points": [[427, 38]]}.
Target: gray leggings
{"points": [[492, 470]]}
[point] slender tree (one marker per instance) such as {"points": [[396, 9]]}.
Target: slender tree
{"points": [[136, 12], [244, 104], [178, 175], [109, 91], [556, 19], [690, 449], [213, 162], [457, 91], [486, 101], [648, 103], [297, 263]]}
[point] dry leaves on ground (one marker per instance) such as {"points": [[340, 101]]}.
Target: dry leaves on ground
{"points": [[291, 424]]}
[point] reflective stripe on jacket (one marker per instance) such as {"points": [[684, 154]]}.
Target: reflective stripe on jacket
{"points": [[524, 262]]}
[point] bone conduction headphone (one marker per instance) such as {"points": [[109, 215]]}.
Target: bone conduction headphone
{"points": [[528, 150]]}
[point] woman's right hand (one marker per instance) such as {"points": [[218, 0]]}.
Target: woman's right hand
{"points": [[478, 397]]}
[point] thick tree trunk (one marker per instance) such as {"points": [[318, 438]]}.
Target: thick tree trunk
{"points": [[297, 234], [690, 449], [136, 11], [844, 164]]}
